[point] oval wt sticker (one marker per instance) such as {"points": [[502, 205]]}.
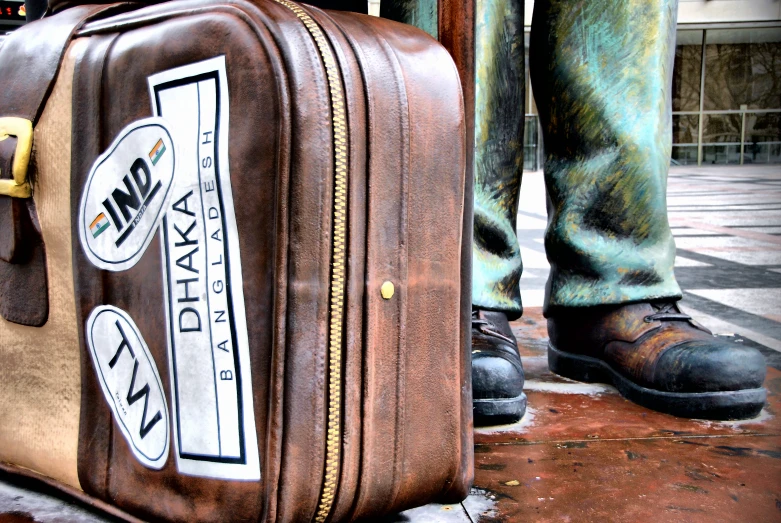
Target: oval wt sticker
{"points": [[130, 382], [126, 194]]}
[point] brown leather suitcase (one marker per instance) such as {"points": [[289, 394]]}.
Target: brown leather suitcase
{"points": [[247, 222]]}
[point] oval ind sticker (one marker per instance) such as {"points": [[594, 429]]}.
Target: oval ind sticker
{"points": [[126, 194], [130, 382]]}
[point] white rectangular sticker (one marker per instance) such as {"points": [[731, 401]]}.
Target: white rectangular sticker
{"points": [[214, 422]]}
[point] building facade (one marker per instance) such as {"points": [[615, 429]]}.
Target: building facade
{"points": [[726, 94]]}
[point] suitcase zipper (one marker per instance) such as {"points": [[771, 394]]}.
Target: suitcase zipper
{"points": [[340, 130]]}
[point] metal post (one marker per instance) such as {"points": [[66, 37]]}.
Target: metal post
{"points": [[538, 128], [540, 149], [743, 108], [702, 99]]}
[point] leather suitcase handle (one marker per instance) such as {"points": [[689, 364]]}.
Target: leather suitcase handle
{"points": [[29, 64], [21, 129], [28, 76]]}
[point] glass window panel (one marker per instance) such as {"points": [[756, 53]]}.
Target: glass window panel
{"points": [[721, 154], [721, 128], [687, 70], [685, 127], [763, 138], [743, 67], [684, 155], [721, 138], [764, 153]]}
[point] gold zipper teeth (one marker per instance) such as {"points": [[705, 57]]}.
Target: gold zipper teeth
{"points": [[340, 131]]}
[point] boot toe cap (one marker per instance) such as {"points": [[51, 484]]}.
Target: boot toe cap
{"points": [[709, 366], [495, 376]]}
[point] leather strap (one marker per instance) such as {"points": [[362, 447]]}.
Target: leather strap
{"points": [[29, 61]]}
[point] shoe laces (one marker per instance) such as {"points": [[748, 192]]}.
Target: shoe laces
{"points": [[486, 327], [666, 311]]}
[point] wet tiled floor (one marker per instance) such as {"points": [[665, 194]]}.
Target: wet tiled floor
{"points": [[582, 452]]}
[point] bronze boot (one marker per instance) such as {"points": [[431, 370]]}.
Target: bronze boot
{"points": [[660, 358], [497, 373]]}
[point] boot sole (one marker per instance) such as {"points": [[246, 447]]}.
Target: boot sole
{"points": [[722, 405], [499, 411]]}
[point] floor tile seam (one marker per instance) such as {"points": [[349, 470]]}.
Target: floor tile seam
{"points": [[769, 346], [715, 261], [532, 215], [746, 185], [644, 438], [730, 222], [746, 272], [750, 226], [693, 277], [719, 211], [696, 207], [732, 231], [682, 202], [721, 189], [530, 243], [739, 249], [692, 205], [685, 193], [745, 319], [466, 513], [710, 180], [692, 233]]}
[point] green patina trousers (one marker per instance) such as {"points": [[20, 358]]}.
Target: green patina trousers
{"points": [[601, 73]]}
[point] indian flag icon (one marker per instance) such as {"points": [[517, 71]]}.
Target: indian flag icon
{"points": [[157, 151], [98, 225]]}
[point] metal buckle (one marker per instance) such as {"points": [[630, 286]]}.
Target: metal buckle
{"points": [[22, 129]]}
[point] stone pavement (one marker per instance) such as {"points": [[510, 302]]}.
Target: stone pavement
{"points": [[583, 453]]}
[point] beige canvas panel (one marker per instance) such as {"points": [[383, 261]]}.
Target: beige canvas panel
{"points": [[40, 376]]}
